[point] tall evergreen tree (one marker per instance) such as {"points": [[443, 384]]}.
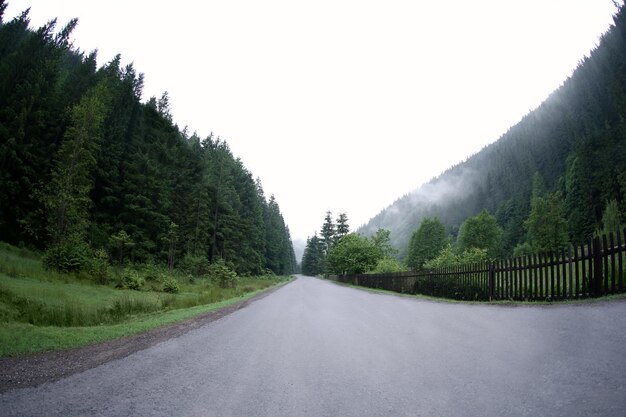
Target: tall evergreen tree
{"points": [[328, 232], [313, 257], [30, 123], [68, 196], [342, 226]]}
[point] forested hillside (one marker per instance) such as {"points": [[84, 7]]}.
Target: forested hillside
{"points": [[84, 163], [575, 141]]}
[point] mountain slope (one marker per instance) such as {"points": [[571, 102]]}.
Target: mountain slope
{"points": [[575, 139]]}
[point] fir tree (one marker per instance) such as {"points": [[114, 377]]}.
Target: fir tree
{"points": [[342, 226]]}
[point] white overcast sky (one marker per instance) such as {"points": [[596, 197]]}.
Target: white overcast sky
{"points": [[341, 105]]}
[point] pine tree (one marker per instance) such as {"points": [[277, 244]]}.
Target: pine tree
{"points": [[171, 240], [30, 124], [68, 196], [328, 232], [342, 226], [313, 257]]}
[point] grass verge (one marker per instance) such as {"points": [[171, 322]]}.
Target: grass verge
{"points": [[23, 338], [42, 310]]}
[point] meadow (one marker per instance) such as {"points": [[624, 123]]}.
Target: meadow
{"points": [[42, 310]]}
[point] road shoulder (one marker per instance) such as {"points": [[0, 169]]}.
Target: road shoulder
{"points": [[33, 370]]}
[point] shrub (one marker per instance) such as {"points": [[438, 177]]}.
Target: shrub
{"points": [[473, 255], [522, 249], [99, 266], [195, 265], [445, 258], [353, 254], [131, 280], [171, 286], [151, 272], [387, 265], [66, 257], [223, 275], [448, 258]]}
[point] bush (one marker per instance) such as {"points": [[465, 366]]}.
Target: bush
{"points": [[99, 266], [131, 280], [66, 257], [223, 275], [152, 273], [387, 265], [195, 265], [445, 258], [473, 255], [522, 249], [353, 254], [171, 286], [448, 258]]}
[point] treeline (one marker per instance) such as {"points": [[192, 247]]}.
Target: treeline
{"points": [[480, 237], [575, 141], [84, 164], [337, 251]]}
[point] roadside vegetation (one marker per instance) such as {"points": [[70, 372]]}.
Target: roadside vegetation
{"points": [[128, 221], [43, 309]]}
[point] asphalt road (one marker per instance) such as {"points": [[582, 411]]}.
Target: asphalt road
{"points": [[314, 348]]}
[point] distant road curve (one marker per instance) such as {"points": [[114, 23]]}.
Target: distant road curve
{"points": [[315, 348]]}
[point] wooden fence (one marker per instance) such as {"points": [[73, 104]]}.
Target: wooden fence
{"points": [[590, 270]]}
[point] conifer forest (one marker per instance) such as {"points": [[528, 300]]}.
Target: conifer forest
{"points": [[85, 164]]}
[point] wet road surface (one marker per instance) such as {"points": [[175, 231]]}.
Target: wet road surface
{"points": [[315, 348]]}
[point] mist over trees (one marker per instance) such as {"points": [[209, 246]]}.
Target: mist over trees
{"points": [[85, 164], [575, 141]]}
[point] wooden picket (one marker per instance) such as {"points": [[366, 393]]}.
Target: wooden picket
{"points": [[589, 270]]}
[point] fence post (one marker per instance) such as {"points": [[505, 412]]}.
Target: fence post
{"points": [[492, 279], [597, 267]]}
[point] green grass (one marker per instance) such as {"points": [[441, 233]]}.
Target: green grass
{"points": [[23, 338], [42, 310]]}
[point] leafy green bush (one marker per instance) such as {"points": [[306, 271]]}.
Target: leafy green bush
{"points": [[473, 255], [99, 266], [195, 265], [387, 265], [66, 257], [448, 258], [353, 254], [223, 275], [171, 286], [151, 272], [523, 249], [131, 280]]}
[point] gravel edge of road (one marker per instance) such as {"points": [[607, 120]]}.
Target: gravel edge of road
{"points": [[33, 370]]}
